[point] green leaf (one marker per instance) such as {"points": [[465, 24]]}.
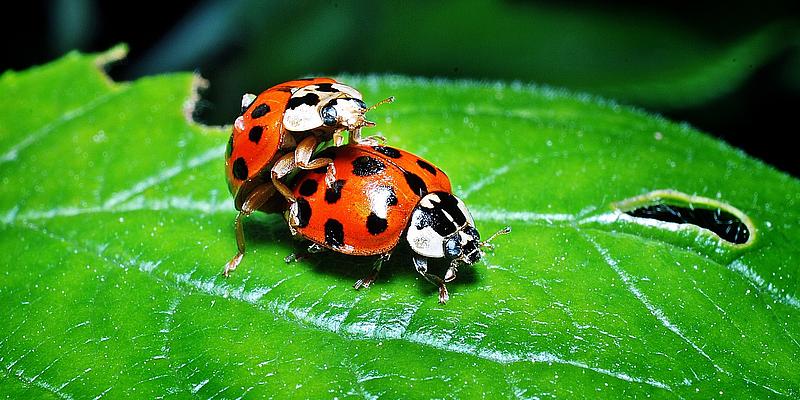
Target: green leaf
{"points": [[116, 224]]}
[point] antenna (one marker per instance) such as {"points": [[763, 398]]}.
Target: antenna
{"points": [[389, 99]]}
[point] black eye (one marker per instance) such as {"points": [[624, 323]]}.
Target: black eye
{"points": [[452, 247], [329, 115], [361, 104]]}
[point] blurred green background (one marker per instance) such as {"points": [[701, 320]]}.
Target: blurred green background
{"points": [[732, 70]]}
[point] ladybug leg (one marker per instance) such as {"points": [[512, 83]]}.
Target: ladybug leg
{"points": [[421, 263], [373, 140], [338, 138], [314, 248], [355, 131], [373, 274], [283, 167], [302, 158], [296, 257], [253, 202], [450, 275]]}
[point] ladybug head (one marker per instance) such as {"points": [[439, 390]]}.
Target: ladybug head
{"points": [[348, 112], [442, 227]]}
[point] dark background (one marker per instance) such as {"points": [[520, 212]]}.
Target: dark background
{"points": [[732, 70]]}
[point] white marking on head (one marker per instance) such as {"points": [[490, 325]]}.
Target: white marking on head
{"points": [[349, 112], [305, 117], [302, 118], [425, 241], [464, 238], [428, 200], [348, 90]]}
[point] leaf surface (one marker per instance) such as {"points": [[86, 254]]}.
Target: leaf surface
{"points": [[116, 223]]}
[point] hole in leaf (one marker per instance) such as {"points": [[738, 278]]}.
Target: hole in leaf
{"points": [[670, 206], [723, 223]]}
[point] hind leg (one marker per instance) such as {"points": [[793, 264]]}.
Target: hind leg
{"points": [[257, 198]]}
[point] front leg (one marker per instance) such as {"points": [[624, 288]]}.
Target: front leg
{"points": [[374, 140], [283, 167], [373, 275], [421, 263], [302, 158], [450, 275], [338, 138]]}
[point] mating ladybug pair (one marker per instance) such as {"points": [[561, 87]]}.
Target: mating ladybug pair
{"points": [[359, 199]]}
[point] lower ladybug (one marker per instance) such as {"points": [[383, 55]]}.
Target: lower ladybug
{"points": [[383, 196]]}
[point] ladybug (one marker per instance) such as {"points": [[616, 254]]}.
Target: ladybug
{"points": [[383, 196], [277, 132]]}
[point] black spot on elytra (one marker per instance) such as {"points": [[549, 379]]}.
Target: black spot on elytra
{"points": [[334, 193], [376, 224], [310, 99], [229, 149], [416, 183], [255, 133], [326, 87], [366, 166], [303, 212], [240, 169], [260, 111], [388, 151], [427, 167], [308, 187], [334, 233]]}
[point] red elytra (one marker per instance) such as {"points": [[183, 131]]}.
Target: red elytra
{"points": [[278, 133], [260, 139], [383, 197], [367, 209]]}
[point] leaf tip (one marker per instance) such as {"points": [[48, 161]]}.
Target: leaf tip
{"points": [[112, 55]]}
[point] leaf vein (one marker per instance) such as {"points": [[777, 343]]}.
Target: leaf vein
{"points": [[32, 138], [642, 298]]}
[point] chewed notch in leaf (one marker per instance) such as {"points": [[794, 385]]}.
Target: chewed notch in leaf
{"points": [[665, 208], [726, 225], [711, 226]]}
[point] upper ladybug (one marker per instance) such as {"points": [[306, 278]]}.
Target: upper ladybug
{"points": [[277, 132], [382, 195]]}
